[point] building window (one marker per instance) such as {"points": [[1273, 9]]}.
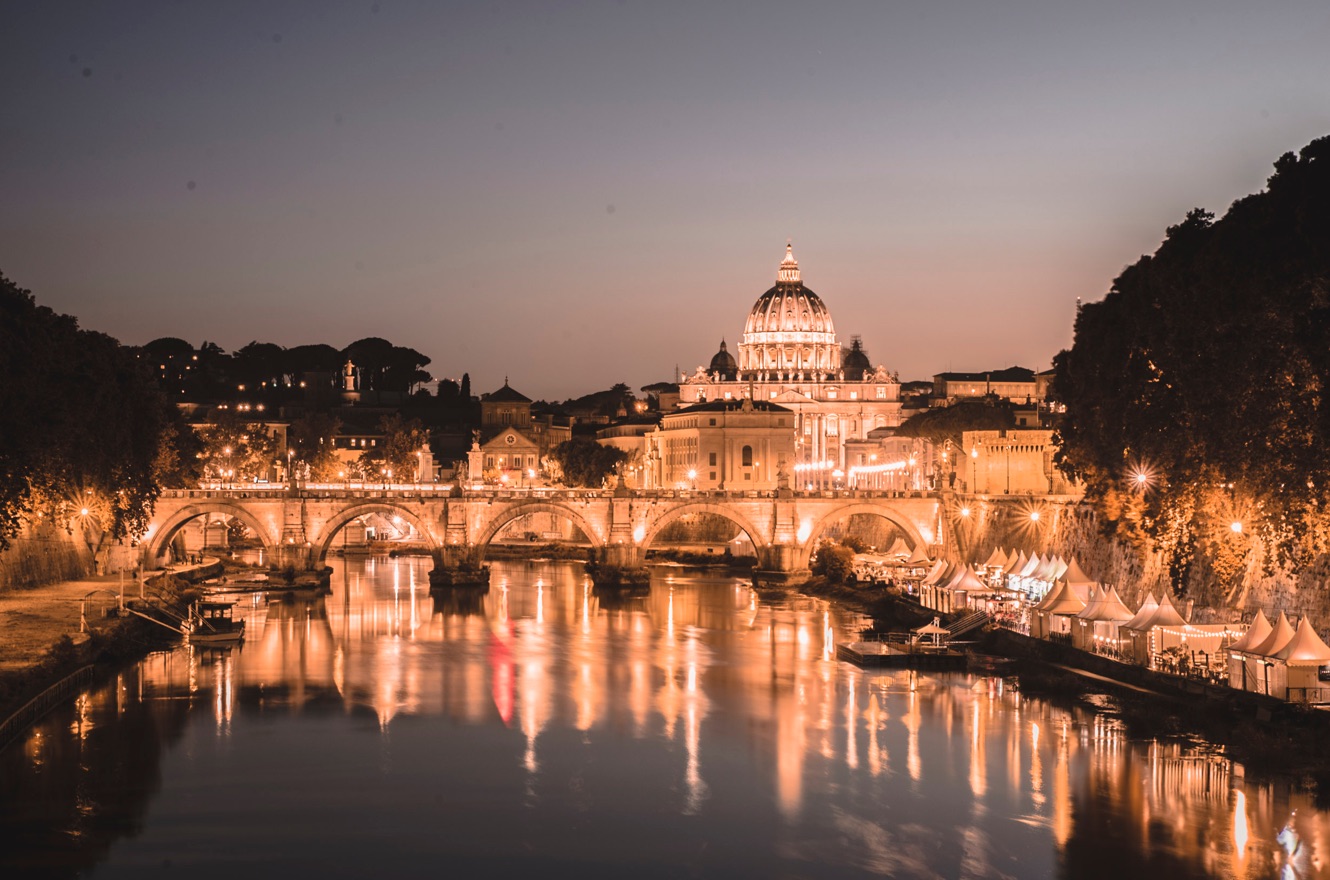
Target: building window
{"points": [[748, 476], [854, 395], [713, 475], [831, 394], [747, 456], [713, 459], [489, 461], [881, 393], [713, 421]]}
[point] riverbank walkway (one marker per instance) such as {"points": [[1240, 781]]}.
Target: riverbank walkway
{"points": [[33, 620]]}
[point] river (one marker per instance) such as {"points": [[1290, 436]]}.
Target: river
{"points": [[540, 730]]}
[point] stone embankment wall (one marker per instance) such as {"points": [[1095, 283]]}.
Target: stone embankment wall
{"points": [[48, 554], [1069, 529], [1072, 530], [44, 555]]}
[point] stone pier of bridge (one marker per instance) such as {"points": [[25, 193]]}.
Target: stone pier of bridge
{"points": [[298, 526]]}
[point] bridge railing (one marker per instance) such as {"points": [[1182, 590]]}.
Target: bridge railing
{"points": [[440, 490]]}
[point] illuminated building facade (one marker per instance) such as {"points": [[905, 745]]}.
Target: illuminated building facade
{"points": [[789, 355], [722, 444]]}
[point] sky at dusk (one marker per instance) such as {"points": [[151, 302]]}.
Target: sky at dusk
{"points": [[577, 194]]}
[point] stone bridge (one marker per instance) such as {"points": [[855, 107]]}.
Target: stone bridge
{"points": [[298, 525]]}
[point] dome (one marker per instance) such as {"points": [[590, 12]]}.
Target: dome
{"points": [[789, 328], [855, 361], [724, 363]]}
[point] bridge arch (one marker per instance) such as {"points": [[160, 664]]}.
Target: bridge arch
{"points": [[671, 514], [165, 534], [494, 523], [844, 511], [323, 543]]}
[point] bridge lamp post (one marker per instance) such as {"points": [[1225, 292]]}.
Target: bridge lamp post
{"points": [[692, 478], [974, 469]]}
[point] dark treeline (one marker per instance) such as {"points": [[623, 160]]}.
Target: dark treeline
{"points": [[86, 438], [1196, 390], [210, 373]]}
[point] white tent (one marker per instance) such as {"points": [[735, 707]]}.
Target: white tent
{"points": [[934, 629], [1143, 613], [1278, 638], [996, 559], [936, 573], [918, 559], [1031, 566], [1056, 613], [1074, 574], [1294, 670], [1246, 670], [1097, 625], [1151, 631], [1280, 635], [1015, 563], [956, 594], [898, 548]]}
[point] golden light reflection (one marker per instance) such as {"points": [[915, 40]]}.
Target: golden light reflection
{"points": [[1239, 825], [552, 655]]}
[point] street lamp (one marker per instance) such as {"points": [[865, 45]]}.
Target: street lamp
{"points": [[974, 469], [692, 477]]}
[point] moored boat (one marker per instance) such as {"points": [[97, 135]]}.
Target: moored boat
{"points": [[213, 623]]}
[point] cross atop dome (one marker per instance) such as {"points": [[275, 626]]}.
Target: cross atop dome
{"points": [[789, 267]]}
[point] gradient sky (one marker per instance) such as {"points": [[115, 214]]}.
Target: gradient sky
{"points": [[576, 194]]}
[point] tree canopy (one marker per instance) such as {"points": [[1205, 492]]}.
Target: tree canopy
{"points": [[83, 424], [1196, 390], [948, 423], [584, 462]]}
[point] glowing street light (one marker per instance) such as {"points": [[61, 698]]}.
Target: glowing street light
{"points": [[1236, 526], [692, 477]]}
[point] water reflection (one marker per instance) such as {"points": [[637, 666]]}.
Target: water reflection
{"points": [[695, 729]]}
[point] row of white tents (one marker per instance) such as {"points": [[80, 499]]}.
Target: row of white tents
{"points": [[1280, 661]]}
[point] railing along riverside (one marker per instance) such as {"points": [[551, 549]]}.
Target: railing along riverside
{"points": [[968, 623], [35, 709], [439, 490]]}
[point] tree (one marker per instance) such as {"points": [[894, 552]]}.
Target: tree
{"points": [[833, 562], [398, 452], [83, 424], [1196, 390], [584, 462], [387, 367], [948, 423], [236, 450], [312, 437]]}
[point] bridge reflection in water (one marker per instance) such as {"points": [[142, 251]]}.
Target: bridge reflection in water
{"points": [[699, 728]]}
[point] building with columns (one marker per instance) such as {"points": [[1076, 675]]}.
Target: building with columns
{"points": [[789, 355]]}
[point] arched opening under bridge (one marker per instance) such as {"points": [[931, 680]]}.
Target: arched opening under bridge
{"points": [[527, 526]]}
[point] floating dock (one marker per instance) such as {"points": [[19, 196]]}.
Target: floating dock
{"points": [[883, 655]]}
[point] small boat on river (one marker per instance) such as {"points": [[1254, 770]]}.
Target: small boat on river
{"points": [[212, 623]]}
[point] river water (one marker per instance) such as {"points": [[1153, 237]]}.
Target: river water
{"points": [[541, 731]]}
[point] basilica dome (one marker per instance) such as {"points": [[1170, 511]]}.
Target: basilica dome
{"points": [[855, 361], [724, 364], [789, 328]]}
